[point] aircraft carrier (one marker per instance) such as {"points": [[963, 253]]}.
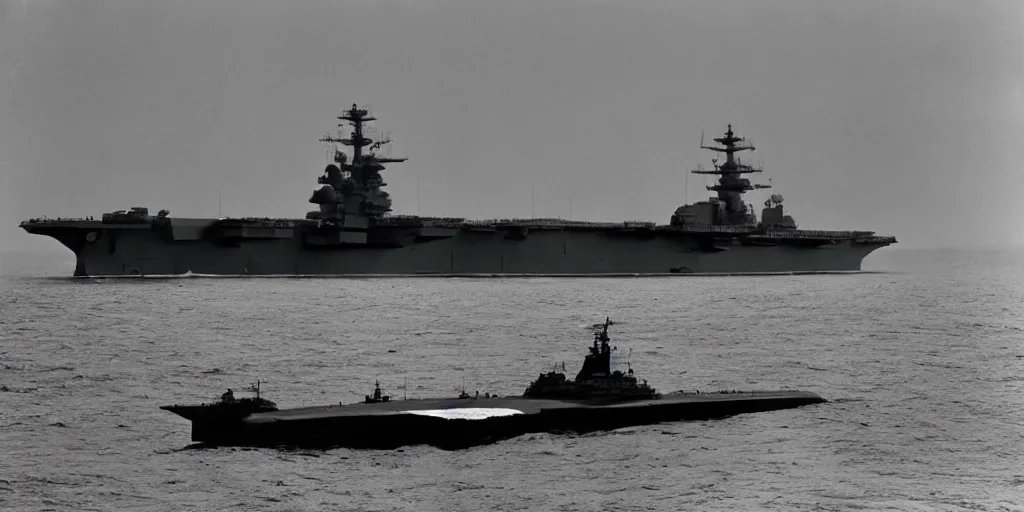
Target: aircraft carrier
{"points": [[353, 232]]}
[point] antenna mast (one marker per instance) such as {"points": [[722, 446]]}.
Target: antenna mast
{"points": [[360, 183], [731, 185]]}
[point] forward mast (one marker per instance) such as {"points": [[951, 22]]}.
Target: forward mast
{"points": [[354, 188]]}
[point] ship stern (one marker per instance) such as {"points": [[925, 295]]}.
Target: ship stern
{"points": [[73, 235]]}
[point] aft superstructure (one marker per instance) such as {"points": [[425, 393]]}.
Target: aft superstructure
{"points": [[728, 208]]}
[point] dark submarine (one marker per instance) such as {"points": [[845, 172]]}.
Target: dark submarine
{"points": [[598, 398]]}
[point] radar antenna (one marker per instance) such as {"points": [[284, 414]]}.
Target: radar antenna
{"points": [[380, 143]]}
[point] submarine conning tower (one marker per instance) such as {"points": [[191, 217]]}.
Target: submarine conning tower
{"points": [[598, 363], [597, 379], [352, 194], [728, 207]]}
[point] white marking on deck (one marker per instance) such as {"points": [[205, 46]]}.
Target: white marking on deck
{"points": [[467, 413]]}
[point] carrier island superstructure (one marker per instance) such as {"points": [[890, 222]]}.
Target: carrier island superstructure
{"points": [[353, 232]]}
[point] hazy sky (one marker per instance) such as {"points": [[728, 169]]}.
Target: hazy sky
{"points": [[899, 117]]}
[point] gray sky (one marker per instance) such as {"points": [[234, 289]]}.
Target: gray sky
{"points": [[899, 117]]}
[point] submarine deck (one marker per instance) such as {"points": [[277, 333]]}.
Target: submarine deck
{"points": [[507, 405], [456, 423]]}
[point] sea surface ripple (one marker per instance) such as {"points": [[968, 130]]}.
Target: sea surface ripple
{"points": [[922, 364]]}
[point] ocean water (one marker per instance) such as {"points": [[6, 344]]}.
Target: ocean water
{"points": [[922, 362]]}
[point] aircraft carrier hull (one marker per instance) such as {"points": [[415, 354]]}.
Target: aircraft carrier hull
{"points": [[186, 246], [462, 423]]}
